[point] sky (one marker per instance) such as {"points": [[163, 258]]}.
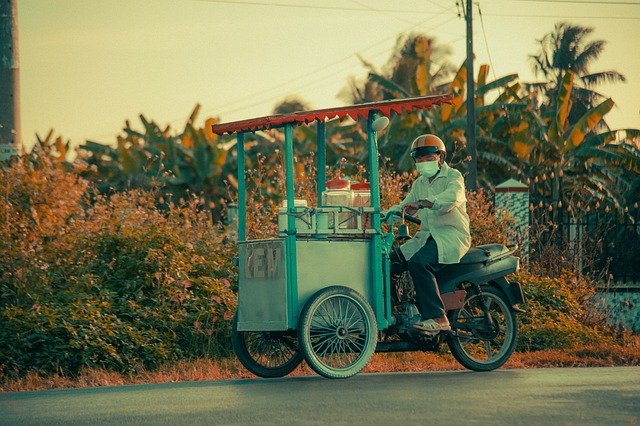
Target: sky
{"points": [[86, 66]]}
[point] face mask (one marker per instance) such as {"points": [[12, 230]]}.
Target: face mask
{"points": [[428, 168]]}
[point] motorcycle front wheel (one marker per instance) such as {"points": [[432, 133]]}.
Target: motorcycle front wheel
{"points": [[484, 331], [266, 354]]}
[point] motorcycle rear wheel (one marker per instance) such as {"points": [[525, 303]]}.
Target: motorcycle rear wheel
{"points": [[476, 344], [266, 354]]}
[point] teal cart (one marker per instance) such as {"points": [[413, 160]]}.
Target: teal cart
{"points": [[292, 306]]}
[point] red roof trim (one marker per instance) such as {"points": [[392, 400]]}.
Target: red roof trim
{"points": [[385, 108]]}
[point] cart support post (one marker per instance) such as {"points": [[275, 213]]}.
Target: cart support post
{"points": [[242, 202], [321, 160], [290, 239], [376, 240]]}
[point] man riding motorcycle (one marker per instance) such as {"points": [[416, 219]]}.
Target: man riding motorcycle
{"points": [[438, 198]]}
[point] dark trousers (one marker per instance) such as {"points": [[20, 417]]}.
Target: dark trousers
{"points": [[421, 266]]}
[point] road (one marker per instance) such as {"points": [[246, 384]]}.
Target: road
{"points": [[582, 396]]}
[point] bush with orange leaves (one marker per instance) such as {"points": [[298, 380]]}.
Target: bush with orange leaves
{"points": [[112, 282]]}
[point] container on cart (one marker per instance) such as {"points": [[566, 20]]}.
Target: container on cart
{"points": [[338, 194], [362, 198], [303, 223]]}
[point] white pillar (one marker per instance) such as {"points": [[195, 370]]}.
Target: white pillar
{"points": [[512, 197]]}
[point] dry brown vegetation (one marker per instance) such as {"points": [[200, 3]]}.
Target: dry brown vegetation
{"points": [[229, 368]]}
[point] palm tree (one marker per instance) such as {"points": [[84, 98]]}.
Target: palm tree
{"points": [[567, 49]]}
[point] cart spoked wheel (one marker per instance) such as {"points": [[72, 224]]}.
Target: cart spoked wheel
{"points": [[337, 332], [477, 344], [266, 353]]}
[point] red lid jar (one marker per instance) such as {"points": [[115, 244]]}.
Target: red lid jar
{"points": [[361, 194], [363, 185], [338, 184]]}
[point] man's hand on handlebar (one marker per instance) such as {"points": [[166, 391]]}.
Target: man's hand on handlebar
{"points": [[412, 208]]}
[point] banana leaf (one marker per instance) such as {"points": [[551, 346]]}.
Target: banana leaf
{"points": [[563, 103], [586, 123], [389, 86], [496, 84], [97, 148], [483, 72], [498, 161], [422, 77]]}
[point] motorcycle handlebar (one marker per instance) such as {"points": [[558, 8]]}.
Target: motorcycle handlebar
{"points": [[407, 217]]}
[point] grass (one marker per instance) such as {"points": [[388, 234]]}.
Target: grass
{"points": [[227, 369]]}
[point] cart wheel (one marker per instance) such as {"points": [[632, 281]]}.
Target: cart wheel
{"points": [[477, 345], [337, 332], [266, 353]]}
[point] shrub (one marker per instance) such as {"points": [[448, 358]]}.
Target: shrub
{"points": [[487, 226], [118, 285], [39, 203], [556, 315]]}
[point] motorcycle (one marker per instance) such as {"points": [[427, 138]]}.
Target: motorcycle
{"points": [[480, 303], [479, 300]]}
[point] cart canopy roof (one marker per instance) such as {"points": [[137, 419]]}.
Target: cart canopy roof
{"points": [[354, 112]]}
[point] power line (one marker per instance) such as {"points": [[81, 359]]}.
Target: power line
{"points": [[406, 21], [582, 2], [607, 3], [486, 43], [272, 98], [493, 68], [238, 103], [508, 15], [307, 74], [301, 6], [303, 86]]}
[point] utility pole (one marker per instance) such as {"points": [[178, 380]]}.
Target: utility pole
{"points": [[472, 175], [9, 82]]}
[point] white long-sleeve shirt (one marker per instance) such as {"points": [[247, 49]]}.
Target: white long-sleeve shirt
{"points": [[447, 221]]}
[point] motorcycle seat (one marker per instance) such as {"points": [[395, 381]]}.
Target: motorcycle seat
{"points": [[482, 253]]}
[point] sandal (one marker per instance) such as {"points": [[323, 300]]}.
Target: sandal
{"points": [[431, 326]]}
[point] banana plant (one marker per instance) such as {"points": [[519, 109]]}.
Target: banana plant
{"points": [[594, 166], [494, 120], [420, 68], [136, 160], [190, 162], [199, 160]]}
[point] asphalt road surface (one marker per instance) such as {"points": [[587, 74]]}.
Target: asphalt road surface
{"points": [[578, 396]]}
